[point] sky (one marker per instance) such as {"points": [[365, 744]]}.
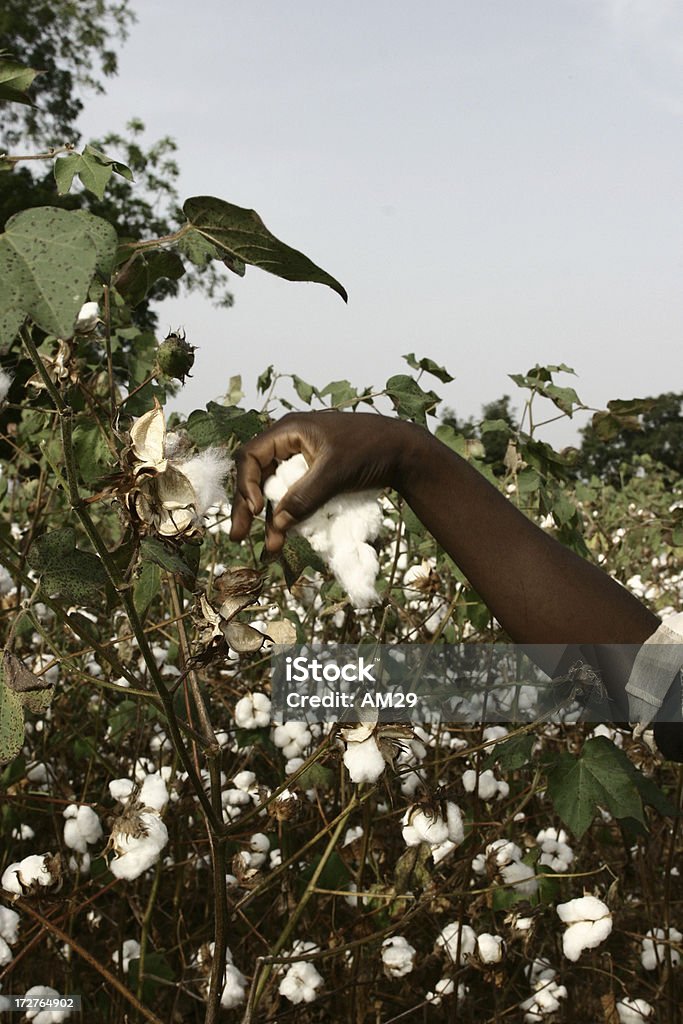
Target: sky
{"points": [[496, 185]]}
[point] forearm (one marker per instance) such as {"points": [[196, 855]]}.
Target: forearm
{"points": [[540, 591]]}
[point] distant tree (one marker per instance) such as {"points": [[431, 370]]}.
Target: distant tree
{"points": [[498, 422], [612, 444], [73, 45]]}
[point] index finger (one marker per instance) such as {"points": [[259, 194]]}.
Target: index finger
{"points": [[255, 462]]}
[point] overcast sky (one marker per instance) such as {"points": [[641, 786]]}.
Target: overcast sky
{"points": [[495, 183]]}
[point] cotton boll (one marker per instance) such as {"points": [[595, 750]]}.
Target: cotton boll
{"points": [[234, 987], [302, 980], [153, 792], [490, 948], [520, 876], [5, 953], [9, 925], [364, 760], [253, 711], [130, 951], [121, 789], [32, 871], [555, 851], [590, 922], [88, 318], [447, 940], [422, 827], [655, 953], [82, 826], [634, 1011], [398, 956], [5, 384], [338, 532], [135, 854], [444, 987], [206, 472]]}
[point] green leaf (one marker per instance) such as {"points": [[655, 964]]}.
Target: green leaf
{"points": [[104, 238], [265, 380], [511, 754], [93, 457], [304, 391], [601, 775], [410, 400], [94, 169], [11, 723], [296, 556], [123, 719], [243, 234], [341, 392], [15, 80], [429, 366], [153, 550], [47, 262], [146, 587], [138, 278], [77, 576], [224, 424]]}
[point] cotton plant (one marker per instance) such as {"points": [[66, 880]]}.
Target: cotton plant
{"points": [[301, 981], [340, 532], [589, 922], [5, 385], [398, 956], [82, 827], [234, 985]]}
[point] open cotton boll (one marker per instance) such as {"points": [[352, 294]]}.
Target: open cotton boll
{"points": [[634, 1011], [364, 760], [302, 980], [590, 922], [45, 1016], [82, 826], [130, 951], [398, 956], [253, 711], [136, 853], [5, 385], [206, 472], [339, 532], [153, 792], [656, 949], [454, 934], [490, 948], [9, 925], [32, 871]]}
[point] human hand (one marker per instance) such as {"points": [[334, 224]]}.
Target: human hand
{"points": [[344, 451]]}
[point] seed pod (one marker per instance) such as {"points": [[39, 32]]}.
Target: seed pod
{"points": [[175, 357]]}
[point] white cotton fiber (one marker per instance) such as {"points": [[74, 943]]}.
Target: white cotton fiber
{"points": [[339, 532]]}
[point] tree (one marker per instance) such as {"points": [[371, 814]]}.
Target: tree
{"points": [[71, 44], [497, 424], [613, 444]]}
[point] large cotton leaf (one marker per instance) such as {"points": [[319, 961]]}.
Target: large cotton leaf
{"points": [[241, 234]]}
